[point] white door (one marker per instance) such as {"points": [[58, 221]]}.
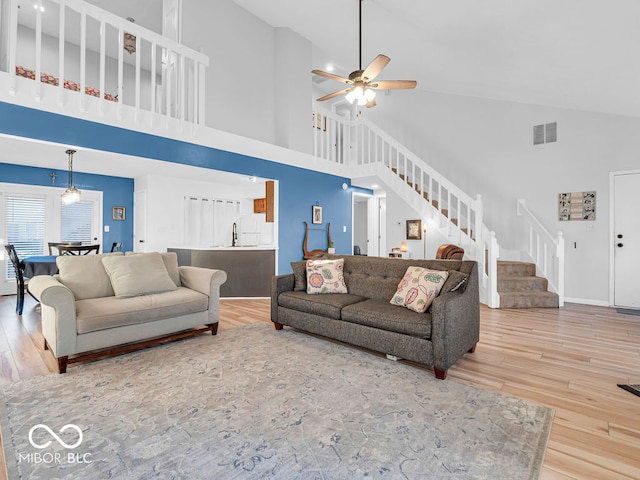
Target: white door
{"points": [[626, 240]]}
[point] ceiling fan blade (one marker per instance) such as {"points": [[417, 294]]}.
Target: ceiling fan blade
{"points": [[375, 67], [333, 95], [394, 84], [331, 76], [372, 103]]}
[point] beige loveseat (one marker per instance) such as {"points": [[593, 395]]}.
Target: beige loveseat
{"points": [[100, 301]]}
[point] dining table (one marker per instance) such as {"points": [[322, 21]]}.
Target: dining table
{"points": [[39, 265]]}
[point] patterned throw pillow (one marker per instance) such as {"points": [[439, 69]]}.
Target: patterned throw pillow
{"points": [[418, 288], [326, 276]]}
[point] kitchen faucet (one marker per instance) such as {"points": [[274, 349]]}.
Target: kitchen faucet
{"points": [[234, 235]]}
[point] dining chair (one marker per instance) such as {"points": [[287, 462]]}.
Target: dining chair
{"points": [[78, 249], [116, 247], [449, 251], [21, 282], [53, 246]]}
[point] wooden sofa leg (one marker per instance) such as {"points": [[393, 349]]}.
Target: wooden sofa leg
{"points": [[62, 364], [46, 345], [440, 374], [214, 328], [473, 349], [278, 326]]}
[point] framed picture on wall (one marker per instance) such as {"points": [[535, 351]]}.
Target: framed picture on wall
{"points": [[118, 213], [414, 229], [316, 214]]}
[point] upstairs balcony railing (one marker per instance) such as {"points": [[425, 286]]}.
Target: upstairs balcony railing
{"points": [[73, 47]]}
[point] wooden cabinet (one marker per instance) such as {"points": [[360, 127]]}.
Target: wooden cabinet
{"points": [[259, 205], [270, 188], [266, 205]]}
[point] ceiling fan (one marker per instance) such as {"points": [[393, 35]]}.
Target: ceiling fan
{"points": [[361, 82]]}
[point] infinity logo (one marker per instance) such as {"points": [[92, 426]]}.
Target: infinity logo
{"points": [[58, 439]]}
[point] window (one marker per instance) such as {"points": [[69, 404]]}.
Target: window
{"points": [[31, 216], [24, 226], [75, 222]]}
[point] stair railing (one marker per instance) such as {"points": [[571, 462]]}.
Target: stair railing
{"points": [[158, 75], [543, 249], [362, 146]]}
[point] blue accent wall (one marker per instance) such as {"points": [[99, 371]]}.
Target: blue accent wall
{"points": [[116, 191], [299, 189]]}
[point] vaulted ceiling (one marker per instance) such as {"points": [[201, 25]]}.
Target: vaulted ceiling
{"points": [[579, 54]]}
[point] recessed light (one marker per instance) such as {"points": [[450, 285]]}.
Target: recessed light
{"points": [[40, 7], [329, 67], [375, 185]]}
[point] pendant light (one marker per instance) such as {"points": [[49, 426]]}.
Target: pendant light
{"points": [[71, 194]]}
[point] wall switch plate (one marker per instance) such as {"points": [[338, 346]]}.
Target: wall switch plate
{"points": [[344, 228], [106, 229]]}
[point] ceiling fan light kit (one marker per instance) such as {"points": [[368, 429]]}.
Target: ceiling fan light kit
{"points": [[361, 83]]}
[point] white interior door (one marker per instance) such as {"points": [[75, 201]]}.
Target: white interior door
{"points": [[626, 240]]}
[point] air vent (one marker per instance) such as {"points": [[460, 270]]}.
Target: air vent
{"points": [[546, 133]]}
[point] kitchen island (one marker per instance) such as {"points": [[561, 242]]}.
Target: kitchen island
{"points": [[249, 269]]}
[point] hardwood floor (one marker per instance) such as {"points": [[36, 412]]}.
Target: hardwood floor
{"points": [[569, 359]]}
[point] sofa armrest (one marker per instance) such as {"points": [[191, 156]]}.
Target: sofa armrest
{"points": [[279, 284], [58, 309], [206, 281], [455, 323]]}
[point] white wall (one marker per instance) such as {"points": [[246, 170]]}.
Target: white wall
{"points": [[485, 147], [240, 80], [293, 91]]}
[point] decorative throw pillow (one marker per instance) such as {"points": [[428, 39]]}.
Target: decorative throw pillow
{"points": [[300, 275], [456, 282], [418, 288], [326, 276], [140, 274]]}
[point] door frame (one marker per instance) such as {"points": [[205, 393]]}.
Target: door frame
{"points": [[612, 233]]}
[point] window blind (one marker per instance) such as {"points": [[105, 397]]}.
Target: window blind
{"points": [[75, 222], [25, 226]]}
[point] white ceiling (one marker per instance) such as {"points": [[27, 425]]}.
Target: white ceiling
{"points": [[578, 54]]}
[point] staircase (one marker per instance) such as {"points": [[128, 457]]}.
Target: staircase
{"points": [[370, 155], [519, 287]]}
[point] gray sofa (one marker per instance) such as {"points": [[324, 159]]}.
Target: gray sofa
{"points": [[103, 301], [364, 316]]}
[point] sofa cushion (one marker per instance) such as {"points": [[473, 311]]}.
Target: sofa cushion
{"points": [[108, 312], [381, 314], [325, 276], [85, 275], [140, 274], [323, 305], [418, 288], [170, 260], [300, 275]]}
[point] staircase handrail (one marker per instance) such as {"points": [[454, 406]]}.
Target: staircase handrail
{"points": [[360, 142], [539, 242], [188, 93]]}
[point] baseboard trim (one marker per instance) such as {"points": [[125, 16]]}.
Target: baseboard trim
{"points": [[587, 301]]}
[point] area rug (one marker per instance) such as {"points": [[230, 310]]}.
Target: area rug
{"points": [[253, 403]]}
